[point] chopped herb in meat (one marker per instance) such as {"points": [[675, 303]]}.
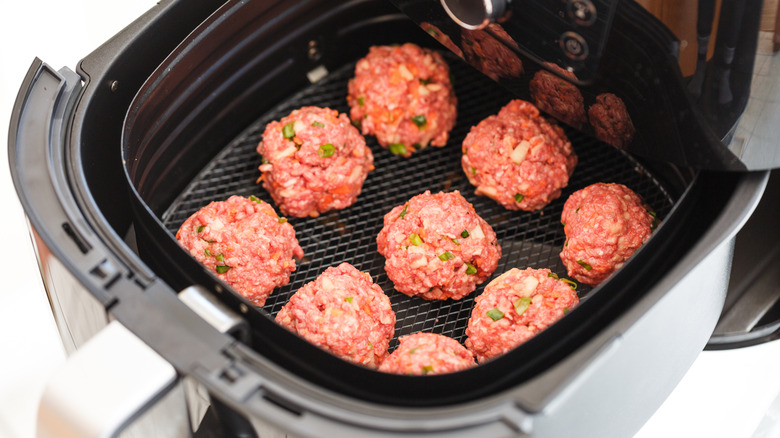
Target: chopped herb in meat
{"points": [[464, 234], [221, 269], [326, 150], [495, 314], [584, 265], [419, 120], [397, 149], [201, 228], [519, 198], [288, 131], [522, 304], [471, 269], [446, 256], [415, 239]]}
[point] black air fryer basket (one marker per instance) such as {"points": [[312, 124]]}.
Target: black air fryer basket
{"points": [[190, 138]]}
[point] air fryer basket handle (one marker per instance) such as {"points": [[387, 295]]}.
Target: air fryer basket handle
{"points": [[103, 386]]}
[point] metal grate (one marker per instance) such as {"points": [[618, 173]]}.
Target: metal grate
{"points": [[527, 239]]}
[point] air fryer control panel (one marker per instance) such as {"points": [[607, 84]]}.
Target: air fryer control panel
{"points": [[568, 33]]}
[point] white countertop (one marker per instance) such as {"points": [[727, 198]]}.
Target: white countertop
{"points": [[729, 394]]}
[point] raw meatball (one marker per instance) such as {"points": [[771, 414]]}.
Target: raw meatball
{"points": [[557, 97], [427, 353], [437, 247], [314, 161], [343, 312], [515, 307], [489, 55], [604, 225], [403, 96], [517, 158], [245, 243], [611, 121]]}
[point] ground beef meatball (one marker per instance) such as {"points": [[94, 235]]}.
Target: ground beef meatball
{"points": [[245, 243], [515, 307], [427, 353], [343, 312], [489, 55], [403, 96], [611, 121], [558, 97], [314, 161], [604, 225], [517, 158], [437, 247]]}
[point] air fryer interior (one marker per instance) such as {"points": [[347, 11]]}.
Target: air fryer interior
{"points": [[190, 139]]}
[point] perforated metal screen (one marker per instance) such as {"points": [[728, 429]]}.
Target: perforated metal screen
{"points": [[527, 239]]}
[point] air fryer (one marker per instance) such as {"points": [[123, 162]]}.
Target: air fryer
{"points": [[165, 118]]}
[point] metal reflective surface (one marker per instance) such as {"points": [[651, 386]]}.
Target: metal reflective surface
{"points": [[670, 81]]}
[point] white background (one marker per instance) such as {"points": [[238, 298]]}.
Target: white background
{"points": [[726, 394]]}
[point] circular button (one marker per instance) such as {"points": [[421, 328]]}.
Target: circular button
{"points": [[583, 12], [574, 46]]}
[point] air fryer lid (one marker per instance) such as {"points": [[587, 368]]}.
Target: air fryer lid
{"points": [[190, 138], [618, 47]]}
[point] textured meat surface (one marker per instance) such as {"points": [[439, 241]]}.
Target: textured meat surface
{"points": [[314, 161], [437, 247], [557, 97], [604, 225], [427, 353], [610, 120], [518, 158], [515, 307], [343, 312], [245, 243], [403, 96]]}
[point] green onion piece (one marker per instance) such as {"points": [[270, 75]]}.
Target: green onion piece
{"points": [[348, 299], [403, 212], [522, 304], [565, 310], [426, 81], [255, 199], [446, 256], [206, 252], [419, 120], [464, 234], [553, 275], [471, 269], [427, 369], [265, 160], [221, 269], [473, 170], [282, 220], [326, 150], [220, 257], [414, 350], [455, 241], [317, 124], [571, 284], [584, 265], [361, 100], [577, 210], [356, 123], [288, 131], [370, 345], [495, 314], [415, 239], [201, 228], [397, 149], [519, 198]]}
